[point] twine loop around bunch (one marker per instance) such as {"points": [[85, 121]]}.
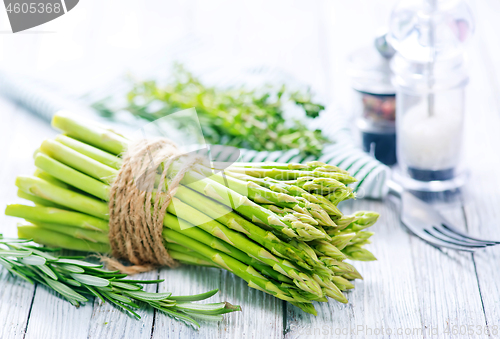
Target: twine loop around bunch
{"points": [[135, 221]]}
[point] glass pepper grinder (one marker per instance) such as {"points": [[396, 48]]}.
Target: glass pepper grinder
{"points": [[430, 79], [374, 99]]}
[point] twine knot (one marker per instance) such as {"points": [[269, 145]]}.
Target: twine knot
{"points": [[135, 221]]}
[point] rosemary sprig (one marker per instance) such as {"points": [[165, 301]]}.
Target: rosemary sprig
{"points": [[76, 279]]}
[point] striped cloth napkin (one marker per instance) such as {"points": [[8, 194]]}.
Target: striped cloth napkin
{"points": [[372, 175]]}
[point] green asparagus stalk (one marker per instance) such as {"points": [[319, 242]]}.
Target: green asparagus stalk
{"points": [[56, 239], [356, 252], [187, 259], [37, 200], [363, 220], [308, 166], [47, 177], [69, 175], [287, 174], [340, 195], [75, 232], [188, 256], [91, 134], [103, 157], [78, 161], [227, 217], [62, 196], [247, 273], [58, 216]]}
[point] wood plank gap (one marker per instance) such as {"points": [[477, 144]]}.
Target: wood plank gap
{"points": [[154, 310], [284, 318], [460, 302], [464, 213], [29, 311]]}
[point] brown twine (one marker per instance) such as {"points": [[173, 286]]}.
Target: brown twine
{"points": [[135, 224]]}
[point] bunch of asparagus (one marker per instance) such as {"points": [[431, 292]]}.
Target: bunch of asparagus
{"points": [[277, 226]]}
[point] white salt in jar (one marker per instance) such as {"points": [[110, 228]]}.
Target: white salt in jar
{"points": [[430, 79]]}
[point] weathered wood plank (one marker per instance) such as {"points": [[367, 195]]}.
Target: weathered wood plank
{"points": [[447, 286], [186, 280], [261, 316], [386, 298], [16, 296], [108, 321], [481, 196], [20, 135], [54, 317], [50, 316]]}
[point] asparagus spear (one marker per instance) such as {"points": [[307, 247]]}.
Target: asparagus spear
{"points": [[288, 174], [188, 256], [227, 217], [103, 157], [187, 259], [68, 175], [302, 280], [62, 196], [75, 232], [37, 200], [58, 216], [356, 252], [308, 166], [364, 219], [56, 239], [266, 196], [247, 273], [78, 161], [91, 134]]}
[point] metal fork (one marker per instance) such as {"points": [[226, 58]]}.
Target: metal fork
{"points": [[427, 223]]}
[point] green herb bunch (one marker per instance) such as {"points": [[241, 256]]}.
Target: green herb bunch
{"points": [[237, 117], [74, 278]]}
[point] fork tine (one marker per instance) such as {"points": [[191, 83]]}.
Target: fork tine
{"points": [[437, 242], [436, 233], [454, 230], [462, 237], [419, 217]]}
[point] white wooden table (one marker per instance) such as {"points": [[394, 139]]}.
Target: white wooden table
{"points": [[413, 290]]}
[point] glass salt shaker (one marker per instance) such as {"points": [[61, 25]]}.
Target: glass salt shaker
{"points": [[374, 99], [430, 79]]}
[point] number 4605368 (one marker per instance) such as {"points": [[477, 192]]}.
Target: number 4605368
{"points": [[34, 7], [471, 330]]}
